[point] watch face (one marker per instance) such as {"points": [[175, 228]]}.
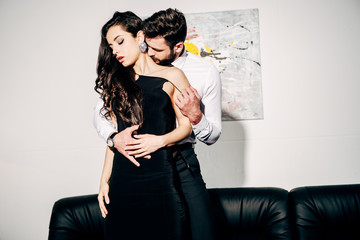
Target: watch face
{"points": [[110, 143]]}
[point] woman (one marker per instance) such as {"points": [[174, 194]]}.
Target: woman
{"points": [[142, 202]]}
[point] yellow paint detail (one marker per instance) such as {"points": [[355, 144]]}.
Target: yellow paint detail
{"points": [[208, 49], [191, 48]]}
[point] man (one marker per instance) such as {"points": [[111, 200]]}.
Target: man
{"points": [[165, 33]]}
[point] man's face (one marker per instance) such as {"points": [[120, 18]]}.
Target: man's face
{"points": [[160, 51]]}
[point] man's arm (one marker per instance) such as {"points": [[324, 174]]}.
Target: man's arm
{"points": [[208, 130], [103, 126], [106, 127], [205, 116]]}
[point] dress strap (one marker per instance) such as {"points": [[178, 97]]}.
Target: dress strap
{"points": [[174, 86]]}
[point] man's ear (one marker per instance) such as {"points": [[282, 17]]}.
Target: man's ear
{"points": [[179, 47], [140, 36]]}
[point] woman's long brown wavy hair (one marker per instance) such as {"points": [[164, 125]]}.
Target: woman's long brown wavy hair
{"points": [[116, 83]]}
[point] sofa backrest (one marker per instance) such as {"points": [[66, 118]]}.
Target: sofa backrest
{"points": [[251, 213], [316, 212], [325, 212], [242, 213]]}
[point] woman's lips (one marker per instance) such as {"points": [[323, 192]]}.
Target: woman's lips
{"points": [[120, 59]]}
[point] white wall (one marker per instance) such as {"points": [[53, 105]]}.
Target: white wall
{"points": [[49, 149]]}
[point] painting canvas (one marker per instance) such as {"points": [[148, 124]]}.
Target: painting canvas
{"points": [[231, 41]]}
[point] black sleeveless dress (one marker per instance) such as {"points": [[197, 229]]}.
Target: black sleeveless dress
{"points": [[146, 201]]}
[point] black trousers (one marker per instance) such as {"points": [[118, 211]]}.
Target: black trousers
{"points": [[200, 212]]}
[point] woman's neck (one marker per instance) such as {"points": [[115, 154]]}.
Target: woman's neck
{"points": [[145, 65]]}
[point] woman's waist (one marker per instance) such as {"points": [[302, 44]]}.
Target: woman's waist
{"points": [[151, 181], [161, 162]]}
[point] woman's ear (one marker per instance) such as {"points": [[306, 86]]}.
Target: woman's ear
{"points": [[140, 36]]}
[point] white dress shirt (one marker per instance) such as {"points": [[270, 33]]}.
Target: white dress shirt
{"points": [[202, 76]]}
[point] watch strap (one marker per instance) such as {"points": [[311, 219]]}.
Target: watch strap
{"points": [[110, 139]]}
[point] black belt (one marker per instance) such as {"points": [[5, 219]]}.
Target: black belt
{"points": [[184, 146], [177, 152]]}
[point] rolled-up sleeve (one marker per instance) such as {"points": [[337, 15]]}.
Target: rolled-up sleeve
{"points": [[103, 126], [208, 130]]}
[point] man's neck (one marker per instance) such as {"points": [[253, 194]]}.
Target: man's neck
{"points": [[179, 54]]}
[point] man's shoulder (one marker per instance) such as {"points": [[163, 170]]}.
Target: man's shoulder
{"points": [[192, 57]]}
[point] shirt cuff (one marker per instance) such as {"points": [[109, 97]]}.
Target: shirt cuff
{"points": [[106, 133], [201, 125]]}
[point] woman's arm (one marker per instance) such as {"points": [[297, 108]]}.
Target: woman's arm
{"points": [[145, 144], [104, 181], [178, 79], [105, 177]]}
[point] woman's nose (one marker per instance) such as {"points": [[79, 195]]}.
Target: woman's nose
{"points": [[115, 50]]}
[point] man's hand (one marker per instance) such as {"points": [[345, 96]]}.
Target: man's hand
{"points": [[144, 144], [103, 196], [124, 137], [189, 104]]}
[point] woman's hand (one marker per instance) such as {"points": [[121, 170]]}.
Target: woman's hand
{"points": [[103, 195], [144, 144]]}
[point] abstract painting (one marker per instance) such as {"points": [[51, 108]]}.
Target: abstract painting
{"points": [[231, 41]]}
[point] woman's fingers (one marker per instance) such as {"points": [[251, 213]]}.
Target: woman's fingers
{"points": [[139, 152], [141, 155], [103, 209], [136, 152], [132, 147], [137, 147], [103, 214], [107, 200]]}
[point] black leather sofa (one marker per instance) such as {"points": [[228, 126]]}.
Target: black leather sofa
{"points": [[304, 213]]}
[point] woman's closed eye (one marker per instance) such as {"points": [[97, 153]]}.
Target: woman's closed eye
{"points": [[117, 42]]}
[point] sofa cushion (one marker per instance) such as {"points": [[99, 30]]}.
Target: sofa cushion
{"points": [[326, 212]]}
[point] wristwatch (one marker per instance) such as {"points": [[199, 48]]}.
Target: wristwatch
{"points": [[110, 141]]}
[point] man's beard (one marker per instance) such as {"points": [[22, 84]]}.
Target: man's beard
{"points": [[168, 60]]}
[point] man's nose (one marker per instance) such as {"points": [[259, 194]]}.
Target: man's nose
{"points": [[151, 52]]}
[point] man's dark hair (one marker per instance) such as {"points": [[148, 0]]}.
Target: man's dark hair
{"points": [[169, 24]]}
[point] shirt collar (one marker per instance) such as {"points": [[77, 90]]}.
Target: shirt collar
{"points": [[180, 61]]}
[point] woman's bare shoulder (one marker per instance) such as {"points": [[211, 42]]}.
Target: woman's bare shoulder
{"points": [[175, 72], [176, 76]]}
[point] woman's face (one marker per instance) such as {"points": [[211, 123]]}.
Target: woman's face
{"points": [[124, 46]]}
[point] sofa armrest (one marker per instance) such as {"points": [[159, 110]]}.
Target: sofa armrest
{"points": [[251, 213], [326, 212], [76, 218]]}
